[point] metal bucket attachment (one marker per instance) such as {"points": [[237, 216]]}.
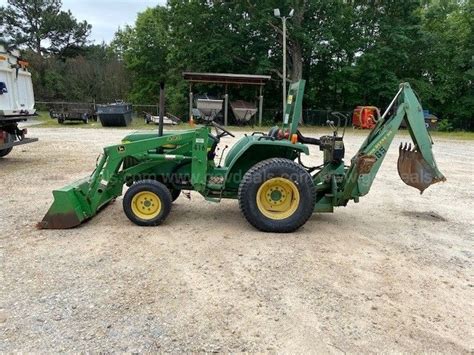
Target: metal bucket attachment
{"points": [[70, 207], [243, 111], [414, 170]]}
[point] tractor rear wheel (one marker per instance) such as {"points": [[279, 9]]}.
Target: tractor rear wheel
{"points": [[277, 195], [5, 152], [147, 203], [175, 193]]}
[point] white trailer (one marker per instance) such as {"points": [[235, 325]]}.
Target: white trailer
{"points": [[17, 100]]}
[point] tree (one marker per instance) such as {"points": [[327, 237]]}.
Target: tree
{"points": [[448, 71], [144, 50], [42, 26], [350, 52]]}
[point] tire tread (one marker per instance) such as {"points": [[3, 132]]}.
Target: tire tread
{"points": [[157, 187], [255, 218]]}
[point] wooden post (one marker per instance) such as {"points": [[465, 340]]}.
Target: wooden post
{"points": [[162, 108], [260, 107], [226, 107], [191, 99]]}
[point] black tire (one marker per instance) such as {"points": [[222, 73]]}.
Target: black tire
{"points": [[60, 120], [153, 187], [5, 152], [175, 193], [268, 170]]}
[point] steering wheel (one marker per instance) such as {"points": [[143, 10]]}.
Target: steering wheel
{"points": [[224, 133]]}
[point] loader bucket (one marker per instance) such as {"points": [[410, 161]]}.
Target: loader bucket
{"points": [[415, 171], [70, 207]]}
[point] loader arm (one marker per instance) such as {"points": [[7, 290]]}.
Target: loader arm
{"points": [[417, 167], [82, 199]]}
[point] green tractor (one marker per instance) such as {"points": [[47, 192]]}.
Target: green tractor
{"points": [[263, 171]]}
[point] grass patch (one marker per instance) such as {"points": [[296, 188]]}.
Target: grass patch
{"points": [[461, 135]]}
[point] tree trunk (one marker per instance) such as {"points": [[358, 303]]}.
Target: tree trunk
{"points": [[296, 61], [38, 46], [296, 51]]}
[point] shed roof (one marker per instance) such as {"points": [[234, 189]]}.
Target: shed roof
{"points": [[226, 78]]}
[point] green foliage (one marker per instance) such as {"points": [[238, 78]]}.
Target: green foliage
{"points": [[445, 126], [42, 26], [350, 52], [144, 49], [449, 68], [96, 75]]}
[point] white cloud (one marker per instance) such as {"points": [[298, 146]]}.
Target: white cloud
{"points": [[106, 16]]}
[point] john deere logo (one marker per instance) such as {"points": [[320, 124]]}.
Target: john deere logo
{"points": [[121, 148]]}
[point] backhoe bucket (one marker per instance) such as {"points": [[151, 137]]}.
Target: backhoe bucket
{"points": [[70, 207], [415, 171]]}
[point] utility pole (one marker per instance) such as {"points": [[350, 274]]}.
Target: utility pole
{"points": [[283, 19]]}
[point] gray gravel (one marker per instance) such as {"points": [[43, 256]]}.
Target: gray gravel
{"points": [[393, 273]]}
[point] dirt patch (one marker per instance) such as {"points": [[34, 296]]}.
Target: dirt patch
{"points": [[372, 277]]}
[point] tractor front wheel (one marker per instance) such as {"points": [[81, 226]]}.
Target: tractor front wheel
{"points": [[277, 195], [147, 203]]}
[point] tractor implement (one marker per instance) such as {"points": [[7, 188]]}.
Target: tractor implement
{"points": [[416, 165], [263, 171]]}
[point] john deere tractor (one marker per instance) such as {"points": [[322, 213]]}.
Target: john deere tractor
{"points": [[263, 171]]}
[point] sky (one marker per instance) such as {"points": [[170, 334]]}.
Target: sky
{"points": [[106, 16]]}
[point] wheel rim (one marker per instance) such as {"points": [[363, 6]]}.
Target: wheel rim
{"points": [[278, 198], [146, 205]]}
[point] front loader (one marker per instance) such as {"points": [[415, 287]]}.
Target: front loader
{"points": [[263, 171]]}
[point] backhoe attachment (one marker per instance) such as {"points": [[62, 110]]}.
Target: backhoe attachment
{"points": [[416, 164]]}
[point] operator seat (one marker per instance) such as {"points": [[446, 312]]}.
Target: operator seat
{"points": [[274, 132], [277, 134]]}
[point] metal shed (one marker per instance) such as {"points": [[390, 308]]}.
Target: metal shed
{"points": [[227, 79]]}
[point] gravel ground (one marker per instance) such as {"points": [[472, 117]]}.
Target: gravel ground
{"points": [[392, 273]]}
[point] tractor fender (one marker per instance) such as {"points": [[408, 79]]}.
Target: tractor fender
{"points": [[250, 150]]}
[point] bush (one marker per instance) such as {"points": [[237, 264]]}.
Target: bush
{"points": [[445, 126]]}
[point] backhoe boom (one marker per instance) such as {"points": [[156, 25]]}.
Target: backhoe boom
{"points": [[416, 166]]}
